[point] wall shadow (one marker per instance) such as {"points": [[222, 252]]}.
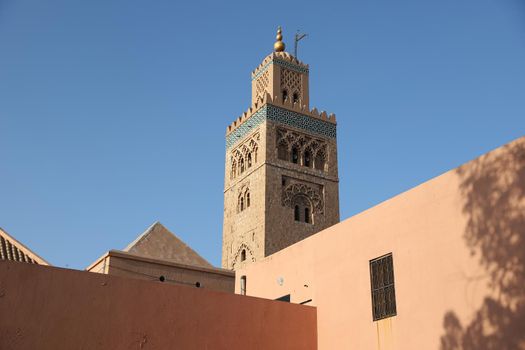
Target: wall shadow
{"points": [[494, 190]]}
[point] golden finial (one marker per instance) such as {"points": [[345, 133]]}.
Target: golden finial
{"points": [[279, 45]]}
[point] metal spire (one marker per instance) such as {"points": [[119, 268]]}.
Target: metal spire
{"points": [[298, 36]]}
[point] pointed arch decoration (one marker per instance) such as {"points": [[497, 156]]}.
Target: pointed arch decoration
{"points": [[301, 149], [249, 256], [294, 190], [244, 156]]}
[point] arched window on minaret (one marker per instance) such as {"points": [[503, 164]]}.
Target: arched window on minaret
{"points": [[307, 217], [295, 97], [282, 151], [285, 95], [247, 199], [302, 206], [243, 255], [307, 158], [320, 160], [295, 155], [249, 160], [241, 164]]}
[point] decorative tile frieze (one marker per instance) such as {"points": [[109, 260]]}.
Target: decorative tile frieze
{"points": [[291, 66], [301, 121], [282, 116], [238, 134]]}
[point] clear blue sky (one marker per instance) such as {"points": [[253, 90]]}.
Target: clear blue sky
{"points": [[113, 113]]}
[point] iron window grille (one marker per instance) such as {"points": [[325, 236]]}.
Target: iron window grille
{"points": [[383, 291]]}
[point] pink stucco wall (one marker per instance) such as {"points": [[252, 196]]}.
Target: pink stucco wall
{"points": [[50, 308], [458, 245]]}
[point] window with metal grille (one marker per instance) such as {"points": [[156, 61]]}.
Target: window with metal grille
{"points": [[383, 291]]}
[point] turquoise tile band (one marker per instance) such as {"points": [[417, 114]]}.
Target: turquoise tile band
{"points": [[284, 117]]}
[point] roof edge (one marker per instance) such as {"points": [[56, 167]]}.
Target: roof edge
{"points": [[141, 236], [128, 255], [25, 249]]}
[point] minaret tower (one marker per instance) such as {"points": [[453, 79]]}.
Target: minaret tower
{"points": [[281, 183]]}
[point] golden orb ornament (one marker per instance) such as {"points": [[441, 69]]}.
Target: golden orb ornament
{"points": [[279, 45]]}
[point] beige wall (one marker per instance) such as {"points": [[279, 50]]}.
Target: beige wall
{"points": [[49, 308], [118, 263], [458, 245]]}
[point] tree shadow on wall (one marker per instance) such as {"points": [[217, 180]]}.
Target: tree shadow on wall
{"points": [[494, 190]]}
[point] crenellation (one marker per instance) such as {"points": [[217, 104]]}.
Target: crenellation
{"points": [[276, 101]]}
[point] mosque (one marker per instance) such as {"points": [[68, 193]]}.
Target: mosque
{"points": [[440, 266]]}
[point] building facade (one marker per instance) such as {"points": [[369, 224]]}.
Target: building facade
{"points": [[441, 266], [281, 178], [12, 249], [159, 255]]}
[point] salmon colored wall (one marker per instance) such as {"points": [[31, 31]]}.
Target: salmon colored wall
{"points": [[50, 308], [458, 244]]}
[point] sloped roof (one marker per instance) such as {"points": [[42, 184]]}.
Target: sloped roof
{"points": [[158, 242], [11, 249]]}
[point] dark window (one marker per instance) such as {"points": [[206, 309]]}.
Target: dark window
{"points": [[285, 95], [307, 215], [242, 165], [302, 209], [282, 152], [249, 160], [295, 155], [295, 97], [243, 285], [285, 298], [242, 204], [247, 199], [319, 161], [307, 160], [383, 292], [243, 255]]}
